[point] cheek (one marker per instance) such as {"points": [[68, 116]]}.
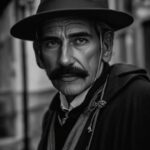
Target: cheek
{"points": [[49, 61], [90, 57], [93, 55]]}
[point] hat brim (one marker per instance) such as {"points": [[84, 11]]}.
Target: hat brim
{"points": [[26, 28]]}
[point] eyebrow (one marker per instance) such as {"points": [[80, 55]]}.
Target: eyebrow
{"points": [[79, 34], [47, 38], [71, 35]]}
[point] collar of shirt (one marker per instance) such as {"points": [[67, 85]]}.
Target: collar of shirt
{"points": [[78, 100]]}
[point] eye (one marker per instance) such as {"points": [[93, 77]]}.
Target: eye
{"points": [[50, 44], [80, 41]]}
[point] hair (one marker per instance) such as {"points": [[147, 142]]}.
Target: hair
{"points": [[103, 28]]}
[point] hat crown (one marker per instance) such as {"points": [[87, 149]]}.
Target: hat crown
{"points": [[50, 5], [49, 9]]}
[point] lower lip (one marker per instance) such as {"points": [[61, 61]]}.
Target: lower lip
{"points": [[68, 79]]}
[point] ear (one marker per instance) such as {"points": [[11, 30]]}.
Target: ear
{"points": [[107, 46], [38, 55]]}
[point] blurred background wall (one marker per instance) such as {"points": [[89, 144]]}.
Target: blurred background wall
{"points": [[25, 91]]}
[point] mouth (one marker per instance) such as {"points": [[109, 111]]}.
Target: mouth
{"points": [[68, 78]]}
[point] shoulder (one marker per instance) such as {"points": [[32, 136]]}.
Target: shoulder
{"points": [[130, 79], [124, 69], [140, 86], [137, 79]]}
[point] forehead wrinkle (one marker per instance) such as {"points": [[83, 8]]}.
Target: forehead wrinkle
{"points": [[63, 27]]}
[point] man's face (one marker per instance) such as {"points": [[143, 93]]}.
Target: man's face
{"points": [[70, 51]]}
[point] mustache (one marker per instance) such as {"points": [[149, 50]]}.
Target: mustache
{"points": [[68, 70]]}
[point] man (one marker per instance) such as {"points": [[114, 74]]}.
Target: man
{"points": [[98, 107]]}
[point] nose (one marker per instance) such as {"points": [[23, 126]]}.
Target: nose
{"points": [[66, 55]]}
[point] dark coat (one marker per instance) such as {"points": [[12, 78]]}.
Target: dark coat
{"points": [[124, 123]]}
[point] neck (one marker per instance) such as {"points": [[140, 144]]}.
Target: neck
{"points": [[70, 98], [72, 102]]}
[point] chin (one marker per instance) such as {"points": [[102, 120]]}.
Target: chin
{"points": [[70, 92], [71, 89]]}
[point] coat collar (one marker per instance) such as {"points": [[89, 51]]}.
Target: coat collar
{"points": [[120, 76]]}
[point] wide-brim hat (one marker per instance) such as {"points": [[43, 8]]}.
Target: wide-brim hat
{"points": [[49, 9]]}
